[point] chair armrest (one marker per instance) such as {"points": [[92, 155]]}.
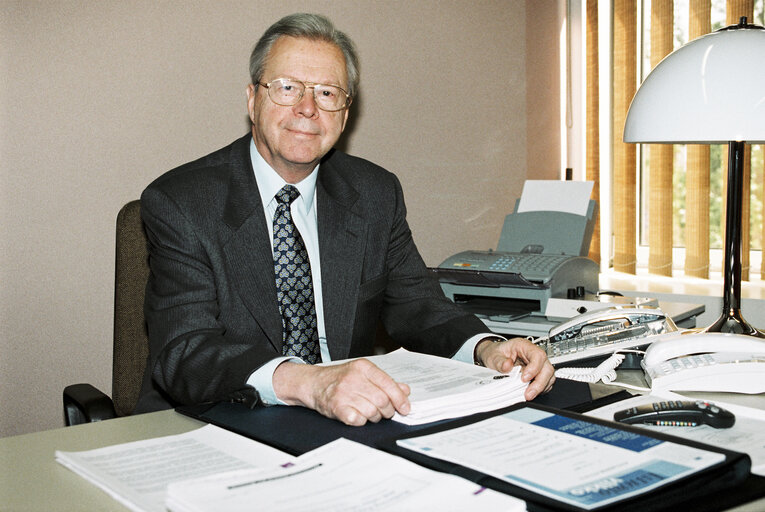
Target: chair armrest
{"points": [[83, 403]]}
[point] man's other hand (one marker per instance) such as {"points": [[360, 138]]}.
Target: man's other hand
{"points": [[504, 355], [353, 392]]}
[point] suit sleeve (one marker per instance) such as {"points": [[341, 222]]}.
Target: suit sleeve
{"points": [[192, 358]]}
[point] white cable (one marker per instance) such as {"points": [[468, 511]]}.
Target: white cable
{"points": [[606, 371]]}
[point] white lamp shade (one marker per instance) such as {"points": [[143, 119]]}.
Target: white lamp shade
{"points": [[712, 90]]}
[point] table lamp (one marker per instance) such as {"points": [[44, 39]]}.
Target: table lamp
{"points": [[710, 91]]}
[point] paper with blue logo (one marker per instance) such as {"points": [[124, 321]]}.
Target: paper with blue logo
{"points": [[575, 461]]}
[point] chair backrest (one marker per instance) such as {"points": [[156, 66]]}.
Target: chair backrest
{"points": [[131, 343]]}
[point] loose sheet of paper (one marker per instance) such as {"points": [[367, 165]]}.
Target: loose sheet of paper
{"points": [[342, 475], [137, 473], [555, 195], [577, 462], [746, 436]]}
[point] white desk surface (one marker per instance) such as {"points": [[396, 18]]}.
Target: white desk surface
{"points": [[31, 479]]}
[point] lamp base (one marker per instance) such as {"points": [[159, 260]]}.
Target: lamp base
{"points": [[732, 322]]}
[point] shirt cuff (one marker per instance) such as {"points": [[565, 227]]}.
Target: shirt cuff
{"points": [[467, 350], [262, 380]]}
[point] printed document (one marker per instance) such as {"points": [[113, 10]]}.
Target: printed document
{"points": [[746, 436], [573, 461], [342, 475], [443, 388], [137, 474]]}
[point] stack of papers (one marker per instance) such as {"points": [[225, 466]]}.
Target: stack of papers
{"points": [[137, 474], [342, 475], [211, 469], [443, 388]]}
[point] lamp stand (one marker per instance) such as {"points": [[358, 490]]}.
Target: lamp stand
{"points": [[731, 320]]}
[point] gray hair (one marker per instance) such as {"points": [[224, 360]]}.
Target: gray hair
{"points": [[310, 26]]}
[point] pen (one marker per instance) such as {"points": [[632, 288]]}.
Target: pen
{"points": [[269, 479]]}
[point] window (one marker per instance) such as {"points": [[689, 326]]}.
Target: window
{"points": [[634, 233], [681, 11]]}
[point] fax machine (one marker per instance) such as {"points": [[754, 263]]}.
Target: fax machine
{"points": [[540, 255]]}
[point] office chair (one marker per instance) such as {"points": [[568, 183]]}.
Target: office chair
{"points": [[84, 403]]}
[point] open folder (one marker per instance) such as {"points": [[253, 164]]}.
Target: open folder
{"points": [[560, 460]]}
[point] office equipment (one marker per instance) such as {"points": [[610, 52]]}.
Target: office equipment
{"points": [[551, 217], [540, 254], [594, 335], [678, 413], [514, 280], [706, 361], [710, 92], [607, 465]]}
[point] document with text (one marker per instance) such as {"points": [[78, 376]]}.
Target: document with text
{"points": [[746, 436], [137, 474], [443, 388], [584, 464], [342, 475]]}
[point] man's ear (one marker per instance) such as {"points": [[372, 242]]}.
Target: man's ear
{"points": [[251, 101], [345, 117]]}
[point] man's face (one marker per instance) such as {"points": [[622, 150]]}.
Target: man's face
{"points": [[293, 139]]}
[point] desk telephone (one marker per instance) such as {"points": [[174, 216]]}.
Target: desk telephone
{"points": [[706, 361], [674, 360], [599, 333]]}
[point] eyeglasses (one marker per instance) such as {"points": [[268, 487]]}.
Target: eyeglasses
{"points": [[287, 92]]}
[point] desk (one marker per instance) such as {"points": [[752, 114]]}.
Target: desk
{"points": [[31, 480]]}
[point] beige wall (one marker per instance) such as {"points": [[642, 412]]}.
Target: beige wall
{"points": [[99, 98]]}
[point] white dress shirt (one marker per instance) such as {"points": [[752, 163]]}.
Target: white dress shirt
{"points": [[304, 215]]}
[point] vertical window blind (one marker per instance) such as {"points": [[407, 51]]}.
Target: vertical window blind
{"points": [[660, 159]]}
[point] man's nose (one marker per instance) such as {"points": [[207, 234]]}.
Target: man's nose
{"points": [[307, 104]]}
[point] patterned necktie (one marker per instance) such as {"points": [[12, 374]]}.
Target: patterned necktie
{"points": [[294, 287]]}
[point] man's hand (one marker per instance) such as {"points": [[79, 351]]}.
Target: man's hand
{"points": [[353, 392], [504, 355]]}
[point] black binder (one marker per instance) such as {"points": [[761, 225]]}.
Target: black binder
{"points": [[716, 488], [297, 430]]}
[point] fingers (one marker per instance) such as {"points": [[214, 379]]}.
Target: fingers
{"points": [[537, 371], [358, 392]]}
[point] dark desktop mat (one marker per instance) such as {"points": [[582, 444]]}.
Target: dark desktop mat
{"points": [[297, 430]]}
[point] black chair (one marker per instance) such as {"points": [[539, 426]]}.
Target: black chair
{"points": [[84, 403]]}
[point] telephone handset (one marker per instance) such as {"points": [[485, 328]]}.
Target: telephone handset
{"points": [[704, 361]]}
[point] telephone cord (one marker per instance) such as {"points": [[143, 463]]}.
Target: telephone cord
{"points": [[605, 372]]}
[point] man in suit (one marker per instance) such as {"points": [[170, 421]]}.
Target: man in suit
{"points": [[219, 326]]}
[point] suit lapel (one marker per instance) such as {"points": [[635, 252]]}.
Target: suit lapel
{"points": [[342, 235], [248, 251]]}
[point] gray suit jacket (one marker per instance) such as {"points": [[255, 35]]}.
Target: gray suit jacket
{"points": [[211, 305]]}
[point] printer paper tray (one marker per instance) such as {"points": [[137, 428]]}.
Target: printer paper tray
{"points": [[490, 279]]}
